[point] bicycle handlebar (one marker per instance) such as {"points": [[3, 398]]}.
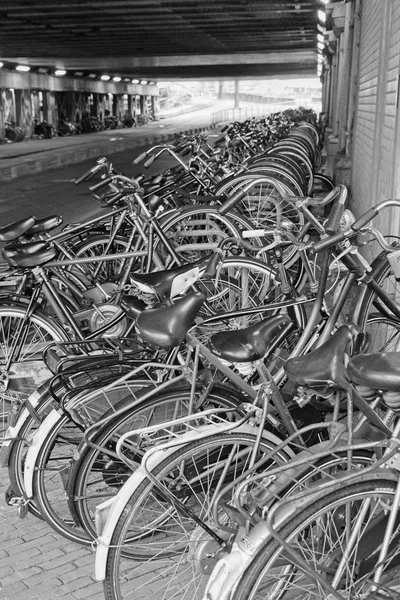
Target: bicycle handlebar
{"points": [[100, 185], [139, 158], [333, 222], [361, 222], [88, 175]]}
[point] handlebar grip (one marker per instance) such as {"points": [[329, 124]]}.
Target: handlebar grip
{"points": [[333, 222], [329, 241], [87, 175], [212, 265], [225, 128], [98, 186], [139, 158], [364, 219], [185, 151], [149, 161], [236, 197]]}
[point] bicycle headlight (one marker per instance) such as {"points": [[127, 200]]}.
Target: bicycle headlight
{"points": [[347, 220]]}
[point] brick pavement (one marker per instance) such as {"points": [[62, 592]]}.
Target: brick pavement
{"points": [[38, 564]]}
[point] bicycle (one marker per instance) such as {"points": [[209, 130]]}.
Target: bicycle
{"points": [[299, 546], [149, 528]]}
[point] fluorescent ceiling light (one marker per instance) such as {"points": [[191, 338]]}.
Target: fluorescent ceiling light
{"points": [[105, 77], [92, 75], [135, 80], [321, 16], [320, 37], [116, 79], [144, 82], [1, 64], [23, 68], [60, 72], [321, 45]]}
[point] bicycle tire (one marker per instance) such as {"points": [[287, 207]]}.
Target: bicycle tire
{"points": [[172, 565], [287, 578], [86, 468]]}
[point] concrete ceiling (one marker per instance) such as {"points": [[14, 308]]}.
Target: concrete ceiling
{"points": [[163, 39]]}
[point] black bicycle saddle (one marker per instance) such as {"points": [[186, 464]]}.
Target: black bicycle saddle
{"points": [[246, 345], [167, 326], [377, 371]]}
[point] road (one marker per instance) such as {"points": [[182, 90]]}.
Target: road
{"points": [[54, 192]]}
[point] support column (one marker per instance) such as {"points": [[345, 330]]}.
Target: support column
{"points": [[237, 95], [2, 116], [23, 110]]}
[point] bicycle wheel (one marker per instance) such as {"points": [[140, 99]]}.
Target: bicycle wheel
{"points": [[157, 549], [22, 342], [262, 205], [58, 437], [243, 292], [19, 446], [43, 401], [320, 535], [368, 307], [383, 334], [98, 473], [95, 246], [256, 281], [196, 231]]}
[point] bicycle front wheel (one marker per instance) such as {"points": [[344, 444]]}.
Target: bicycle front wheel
{"points": [[158, 550], [372, 314], [340, 537]]}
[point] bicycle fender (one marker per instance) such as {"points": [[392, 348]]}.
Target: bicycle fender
{"points": [[228, 570], [13, 431], [115, 506], [38, 438]]}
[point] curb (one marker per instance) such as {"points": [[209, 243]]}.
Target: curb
{"points": [[65, 157]]}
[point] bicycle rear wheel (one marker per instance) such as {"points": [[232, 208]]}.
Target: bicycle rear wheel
{"points": [[158, 550], [22, 342], [97, 473]]}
